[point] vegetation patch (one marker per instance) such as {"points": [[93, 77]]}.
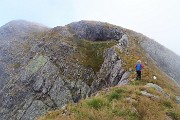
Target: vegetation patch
{"points": [[175, 115], [167, 104], [127, 114], [91, 53], [119, 104], [115, 94], [96, 103]]}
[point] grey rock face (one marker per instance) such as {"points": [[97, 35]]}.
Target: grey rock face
{"points": [[96, 31], [12, 35], [123, 43], [124, 79], [60, 94], [111, 72], [36, 109], [34, 66]]}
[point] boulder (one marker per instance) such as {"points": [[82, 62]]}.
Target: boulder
{"points": [[158, 88]]}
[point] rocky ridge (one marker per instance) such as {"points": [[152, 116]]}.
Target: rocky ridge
{"points": [[50, 75], [53, 68]]}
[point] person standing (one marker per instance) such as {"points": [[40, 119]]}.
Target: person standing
{"points": [[139, 68]]}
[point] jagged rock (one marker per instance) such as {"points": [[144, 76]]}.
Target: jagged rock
{"points": [[80, 90], [60, 94], [36, 109], [96, 31], [124, 79], [46, 78], [123, 43], [112, 72], [34, 65]]}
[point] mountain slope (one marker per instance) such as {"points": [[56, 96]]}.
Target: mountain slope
{"points": [[65, 64], [167, 60], [19, 30], [12, 36]]}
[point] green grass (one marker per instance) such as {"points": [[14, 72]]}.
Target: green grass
{"points": [[91, 53], [96, 103], [114, 105], [167, 104], [115, 94]]}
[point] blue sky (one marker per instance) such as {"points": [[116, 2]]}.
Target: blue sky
{"points": [[157, 19]]}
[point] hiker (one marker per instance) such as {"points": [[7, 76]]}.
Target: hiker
{"points": [[138, 67]]}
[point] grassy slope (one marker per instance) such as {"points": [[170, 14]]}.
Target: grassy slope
{"points": [[121, 103], [125, 102]]}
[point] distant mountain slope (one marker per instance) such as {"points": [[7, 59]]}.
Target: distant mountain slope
{"points": [[19, 30], [48, 68], [168, 61]]}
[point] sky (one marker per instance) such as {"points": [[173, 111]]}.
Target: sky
{"points": [[157, 19]]}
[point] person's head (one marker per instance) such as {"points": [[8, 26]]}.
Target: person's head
{"points": [[139, 61]]}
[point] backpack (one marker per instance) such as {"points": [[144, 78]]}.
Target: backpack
{"points": [[138, 67]]}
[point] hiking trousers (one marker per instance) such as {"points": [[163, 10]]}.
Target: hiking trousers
{"points": [[138, 73]]}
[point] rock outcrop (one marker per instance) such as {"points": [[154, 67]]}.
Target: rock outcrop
{"points": [[96, 31]]}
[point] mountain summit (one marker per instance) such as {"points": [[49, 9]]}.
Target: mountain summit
{"points": [[44, 69]]}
